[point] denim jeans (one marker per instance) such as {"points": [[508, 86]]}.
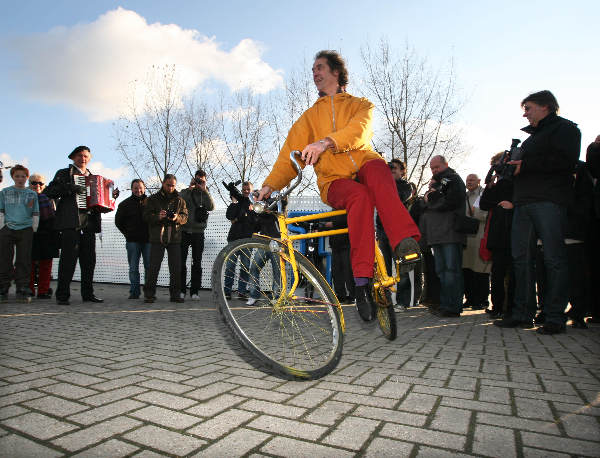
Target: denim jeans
{"points": [[135, 250], [242, 286], [545, 221], [448, 266], [259, 260]]}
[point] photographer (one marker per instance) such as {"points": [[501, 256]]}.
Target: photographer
{"points": [[165, 213], [543, 188], [198, 202], [241, 215], [445, 204]]}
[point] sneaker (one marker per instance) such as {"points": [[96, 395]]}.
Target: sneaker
{"points": [[242, 296], [408, 254], [512, 323], [179, 300], [364, 303], [400, 308], [195, 297], [149, 300], [251, 301], [551, 328]]}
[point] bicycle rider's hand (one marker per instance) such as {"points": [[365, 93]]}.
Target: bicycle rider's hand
{"points": [[312, 152], [264, 192]]}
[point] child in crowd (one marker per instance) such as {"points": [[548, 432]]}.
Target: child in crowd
{"points": [[19, 219]]}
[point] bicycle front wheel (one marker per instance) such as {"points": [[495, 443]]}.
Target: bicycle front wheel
{"points": [[298, 335], [386, 316]]}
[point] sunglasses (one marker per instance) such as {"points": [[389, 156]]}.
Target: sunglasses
{"points": [[35, 183]]}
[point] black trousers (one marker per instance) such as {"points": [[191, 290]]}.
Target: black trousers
{"points": [[76, 245], [196, 241], [503, 288], [341, 273], [157, 253], [21, 240], [477, 288]]}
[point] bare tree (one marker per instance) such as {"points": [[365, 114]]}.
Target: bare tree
{"points": [[417, 105], [154, 134]]}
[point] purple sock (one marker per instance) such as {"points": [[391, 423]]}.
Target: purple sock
{"points": [[361, 281]]}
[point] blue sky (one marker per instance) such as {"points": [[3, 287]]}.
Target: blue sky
{"points": [[502, 51]]}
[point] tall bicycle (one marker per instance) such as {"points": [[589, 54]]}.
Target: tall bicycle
{"points": [[297, 327]]}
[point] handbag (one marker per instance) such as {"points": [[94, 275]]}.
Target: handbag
{"points": [[466, 224], [484, 253]]}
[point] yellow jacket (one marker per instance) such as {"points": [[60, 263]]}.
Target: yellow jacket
{"points": [[343, 118]]}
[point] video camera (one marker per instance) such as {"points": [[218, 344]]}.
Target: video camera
{"points": [[502, 168], [233, 191]]}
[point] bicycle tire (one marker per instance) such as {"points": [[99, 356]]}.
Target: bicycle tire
{"points": [[301, 337], [386, 315]]}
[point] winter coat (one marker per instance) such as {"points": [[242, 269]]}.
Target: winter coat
{"points": [[471, 258], [499, 234], [444, 205], [45, 243], [130, 219], [343, 118], [165, 231], [67, 214], [580, 212], [195, 198], [549, 157], [243, 222]]}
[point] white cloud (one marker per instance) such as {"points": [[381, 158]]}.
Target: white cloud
{"points": [[90, 66]]}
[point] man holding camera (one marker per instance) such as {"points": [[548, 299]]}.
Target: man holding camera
{"points": [[445, 203], [543, 188], [198, 202]]}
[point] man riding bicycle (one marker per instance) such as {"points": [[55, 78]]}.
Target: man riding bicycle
{"points": [[334, 136]]}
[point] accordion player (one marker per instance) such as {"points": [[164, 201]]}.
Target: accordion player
{"points": [[98, 193]]}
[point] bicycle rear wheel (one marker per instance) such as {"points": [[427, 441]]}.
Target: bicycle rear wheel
{"points": [[298, 336]]}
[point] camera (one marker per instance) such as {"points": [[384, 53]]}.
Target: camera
{"points": [[233, 191], [170, 214], [501, 168]]}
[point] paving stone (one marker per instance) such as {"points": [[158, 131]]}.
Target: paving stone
{"points": [[423, 436], [86, 369], [207, 379], [451, 420], [165, 375], [119, 382], [329, 412], [164, 440], [382, 447], [366, 400], [261, 394], [560, 444], [447, 392], [581, 427], [393, 390], [38, 425], [287, 427], [477, 405], [212, 390], [14, 446], [34, 375], [494, 394], [113, 448], [419, 403], [341, 387], [518, 423], [24, 386], [78, 379], [11, 411], [106, 411], [165, 417], [221, 424], [537, 453], [19, 397], [534, 408], [114, 395], [283, 446], [494, 441], [579, 409], [164, 385], [310, 398], [238, 443], [166, 400], [271, 408], [55, 406], [87, 436], [393, 416], [215, 405], [351, 433]]}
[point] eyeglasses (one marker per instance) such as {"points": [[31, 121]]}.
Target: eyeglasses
{"points": [[36, 183]]}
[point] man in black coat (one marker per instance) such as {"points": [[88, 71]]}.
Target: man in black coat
{"points": [[78, 228], [543, 189], [129, 220]]}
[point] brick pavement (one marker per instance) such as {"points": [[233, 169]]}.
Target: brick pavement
{"points": [[126, 378]]}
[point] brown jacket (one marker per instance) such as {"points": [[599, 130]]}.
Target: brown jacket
{"points": [[162, 230], [343, 118]]}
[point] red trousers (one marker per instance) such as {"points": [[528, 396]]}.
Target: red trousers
{"points": [[43, 277], [375, 189]]}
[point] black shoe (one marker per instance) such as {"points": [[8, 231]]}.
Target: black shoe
{"points": [[593, 319], [552, 328], [448, 314], [23, 297], [512, 323], [228, 297], [47, 295], [179, 300], [579, 324], [149, 300], [478, 307], [133, 296], [364, 302], [62, 302], [408, 254], [540, 318], [243, 296], [92, 298]]}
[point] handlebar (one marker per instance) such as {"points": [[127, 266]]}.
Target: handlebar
{"points": [[277, 196]]}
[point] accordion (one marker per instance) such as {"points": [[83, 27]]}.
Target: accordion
{"points": [[98, 193]]}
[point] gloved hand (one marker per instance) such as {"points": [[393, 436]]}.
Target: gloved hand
{"points": [[116, 193]]}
